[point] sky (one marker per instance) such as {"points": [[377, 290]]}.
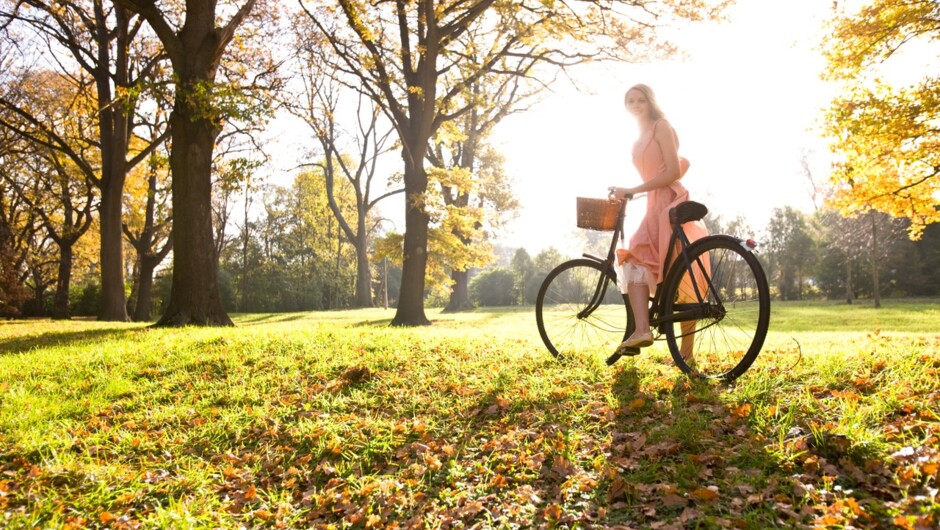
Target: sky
{"points": [[744, 100]]}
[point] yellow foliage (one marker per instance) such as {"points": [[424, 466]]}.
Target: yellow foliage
{"points": [[885, 137]]}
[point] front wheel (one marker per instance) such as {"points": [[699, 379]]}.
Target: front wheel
{"points": [[579, 309], [716, 318]]}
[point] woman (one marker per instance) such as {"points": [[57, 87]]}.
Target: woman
{"points": [[656, 157]]}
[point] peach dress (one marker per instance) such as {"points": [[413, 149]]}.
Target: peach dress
{"points": [[649, 243]]}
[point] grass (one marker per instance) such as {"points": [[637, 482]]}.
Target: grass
{"points": [[334, 419]]}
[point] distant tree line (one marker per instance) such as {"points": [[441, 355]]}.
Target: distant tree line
{"points": [[806, 257]]}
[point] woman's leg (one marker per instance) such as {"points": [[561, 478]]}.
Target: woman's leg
{"points": [[688, 339], [640, 303]]}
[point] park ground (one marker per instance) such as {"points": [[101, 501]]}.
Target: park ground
{"points": [[336, 420]]}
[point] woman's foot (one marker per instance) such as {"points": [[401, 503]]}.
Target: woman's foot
{"points": [[637, 340]]}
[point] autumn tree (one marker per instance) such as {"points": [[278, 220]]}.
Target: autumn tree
{"points": [[886, 135], [348, 157], [47, 184], [195, 42], [106, 42], [475, 200], [148, 229], [41, 267], [46, 110], [18, 227], [399, 51], [476, 192], [468, 173]]}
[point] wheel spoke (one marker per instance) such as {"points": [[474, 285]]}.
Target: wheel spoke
{"points": [[566, 293], [726, 343]]}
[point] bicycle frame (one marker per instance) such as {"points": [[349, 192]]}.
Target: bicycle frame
{"points": [[683, 312]]}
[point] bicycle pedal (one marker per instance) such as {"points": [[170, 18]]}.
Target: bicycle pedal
{"points": [[622, 352]]}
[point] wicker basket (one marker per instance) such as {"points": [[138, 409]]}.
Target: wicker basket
{"points": [[597, 214]]}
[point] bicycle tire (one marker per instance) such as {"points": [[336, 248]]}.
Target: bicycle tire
{"points": [[564, 294], [731, 333]]}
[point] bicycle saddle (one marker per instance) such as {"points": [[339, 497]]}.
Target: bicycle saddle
{"points": [[687, 211]]}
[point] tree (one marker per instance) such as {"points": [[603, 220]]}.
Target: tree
{"points": [[64, 205], [49, 181], [493, 288], [477, 196], [42, 264], [149, 232], [17, 229], [195, 48], [295, 256], [481, 193], [353, 161], [886, 136], [399, 51], [791, 250], [105, 41], [523, 269]]}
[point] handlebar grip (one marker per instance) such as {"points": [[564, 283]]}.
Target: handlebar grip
{"points": [[611, 195]]}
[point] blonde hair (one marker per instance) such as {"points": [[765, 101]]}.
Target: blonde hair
{"points": [[656, 113]]}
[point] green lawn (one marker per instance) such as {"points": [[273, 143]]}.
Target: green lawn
{"points": [[333, 419]]}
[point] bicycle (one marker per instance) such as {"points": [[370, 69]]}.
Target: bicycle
{"points": [[714, 294]]}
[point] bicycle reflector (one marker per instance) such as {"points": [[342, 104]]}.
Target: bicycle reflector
{"points": [[751, 244]]}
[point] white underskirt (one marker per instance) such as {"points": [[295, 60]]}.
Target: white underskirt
{"points": [[632, 273]]}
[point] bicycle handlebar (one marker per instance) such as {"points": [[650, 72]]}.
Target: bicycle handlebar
{"points": [[627, 196]]}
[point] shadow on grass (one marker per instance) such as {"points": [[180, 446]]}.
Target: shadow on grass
{"points": [[378, 323], [53, 339], [683, 456], [253, 319]]}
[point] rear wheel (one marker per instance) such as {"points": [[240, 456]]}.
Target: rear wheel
{"points": [[579, 309], [727, 308]]}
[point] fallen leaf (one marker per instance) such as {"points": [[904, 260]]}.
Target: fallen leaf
{"points": [[742, 411], [552, 512], [671, 499], [705, 494], [619, 489]]}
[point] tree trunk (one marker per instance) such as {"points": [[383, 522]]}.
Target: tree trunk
{"points": [[113, 127], [135, 284], [113, 303], [876, 288], [410, 310], [144, 289], [459, 294], [194, 292], [39, 301], [799, 282], [363, 274], [60, 305], [849, 292]]}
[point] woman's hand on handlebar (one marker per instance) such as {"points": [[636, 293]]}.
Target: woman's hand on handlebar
{"points": [[619, 194]]}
